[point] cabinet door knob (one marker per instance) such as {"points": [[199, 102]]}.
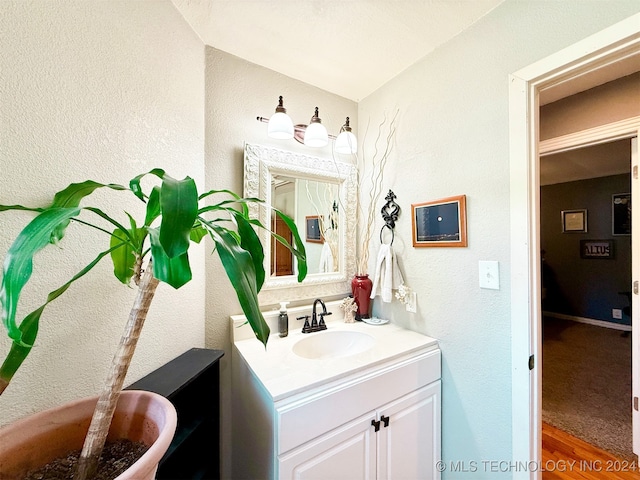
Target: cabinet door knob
{"points": [[385, 420], [376, 425]]}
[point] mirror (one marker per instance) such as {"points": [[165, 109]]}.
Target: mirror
{"points": [[320, 195], [315, 207]]}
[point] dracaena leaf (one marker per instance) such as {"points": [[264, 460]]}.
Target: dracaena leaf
{"points": [[20, 350], [18, 264], [174, 271], [123, 254], [198, 232], [153, 206], [71, 196], [250, 241], [134, 184], [4, 208], [239, 267], [297, 249], [179, 206], [30, 324], [299, 245], [236, 200], [112, 221]]}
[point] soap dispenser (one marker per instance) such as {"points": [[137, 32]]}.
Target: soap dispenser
{"points": [[283, 320]]}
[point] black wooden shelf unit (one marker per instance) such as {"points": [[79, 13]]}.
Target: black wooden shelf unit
{"points": [[191, 382]]}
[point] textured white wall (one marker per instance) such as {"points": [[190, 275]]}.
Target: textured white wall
{"points": [[103, 91], [452, 139], [237, 92]]}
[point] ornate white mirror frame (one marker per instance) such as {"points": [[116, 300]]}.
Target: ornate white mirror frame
{"points": [[260, 164]]}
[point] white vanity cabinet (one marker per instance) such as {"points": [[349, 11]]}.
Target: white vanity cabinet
{"points": [[348, 452], [400, 440], [305, 419]]}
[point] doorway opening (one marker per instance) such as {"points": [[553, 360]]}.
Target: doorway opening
{"points": [[564, 73], [586, 279]]}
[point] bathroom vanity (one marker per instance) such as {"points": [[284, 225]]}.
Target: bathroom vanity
{"points": [[355, 401]]}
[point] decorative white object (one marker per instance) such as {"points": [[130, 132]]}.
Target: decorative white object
{"points": [[349, 306], [371, 176], [375, 321], [403, 294]]}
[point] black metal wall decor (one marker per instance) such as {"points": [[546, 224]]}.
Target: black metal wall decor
{"points": [[390, 212]]}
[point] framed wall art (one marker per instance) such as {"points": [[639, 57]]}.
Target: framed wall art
{"points": [[313, 233], [621, 213], [441, 223], [602, 249], [574, 221]]}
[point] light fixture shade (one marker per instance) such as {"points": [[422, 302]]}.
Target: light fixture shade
{"points": [[280, 126], [315, 134], [346, 143]]}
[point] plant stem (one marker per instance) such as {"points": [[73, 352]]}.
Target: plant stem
{"points": [[106, 406], [375, 178]]}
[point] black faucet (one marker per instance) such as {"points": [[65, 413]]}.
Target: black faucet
{"points": [[307, 327], [315, 324]]}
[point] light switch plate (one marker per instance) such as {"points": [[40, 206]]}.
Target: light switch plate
{"points": [[412, 304], [489, 274]]}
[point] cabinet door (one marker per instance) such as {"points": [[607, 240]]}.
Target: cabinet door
{"points": [[409, 446], [348, 453]]}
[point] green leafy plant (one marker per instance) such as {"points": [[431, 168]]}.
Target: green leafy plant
{"points": [[146, 253]]}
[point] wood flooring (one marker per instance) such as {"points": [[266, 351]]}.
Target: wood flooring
{"points": [[566, 457]]}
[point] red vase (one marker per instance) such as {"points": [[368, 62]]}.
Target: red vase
{"points": [[361, 286]]}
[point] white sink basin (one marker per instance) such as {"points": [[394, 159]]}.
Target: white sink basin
{"points": [[333, 344]]}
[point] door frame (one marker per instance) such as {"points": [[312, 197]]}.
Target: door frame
{"points": [[596, 52]]}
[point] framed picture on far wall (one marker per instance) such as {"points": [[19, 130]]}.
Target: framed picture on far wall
{"points": [[574, 221], [441, 223], [602, 249], [621, 213]]}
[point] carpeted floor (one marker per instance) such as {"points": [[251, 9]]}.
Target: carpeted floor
{"points": [[586, 383]]}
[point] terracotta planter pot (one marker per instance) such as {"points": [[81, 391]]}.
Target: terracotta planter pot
{"points": [[36, 440]]}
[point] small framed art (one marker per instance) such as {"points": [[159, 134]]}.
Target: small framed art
{"points": [[313, 233], [441, 223], [574, 221], [621, 213]]}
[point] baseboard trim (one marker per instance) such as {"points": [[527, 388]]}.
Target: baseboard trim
{"points": [[590, 321]]}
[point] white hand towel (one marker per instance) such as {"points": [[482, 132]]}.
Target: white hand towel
{"points": [[388, 275], [326, 259]]}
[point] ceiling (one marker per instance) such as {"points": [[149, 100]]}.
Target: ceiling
{"points": [[613, 158], [353, 47], [347, 47]]}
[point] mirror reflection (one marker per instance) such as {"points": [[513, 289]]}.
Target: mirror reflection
{"points": [[320, 194], [315, 207]]}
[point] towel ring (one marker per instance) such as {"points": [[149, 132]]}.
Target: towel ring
{"points": [[393, 233], [390, 212]]}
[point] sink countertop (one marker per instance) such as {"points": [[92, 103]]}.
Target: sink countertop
{"points": [[283, 373]]}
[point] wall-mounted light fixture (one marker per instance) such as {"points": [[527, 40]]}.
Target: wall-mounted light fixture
{"points": [[314, 134]]}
